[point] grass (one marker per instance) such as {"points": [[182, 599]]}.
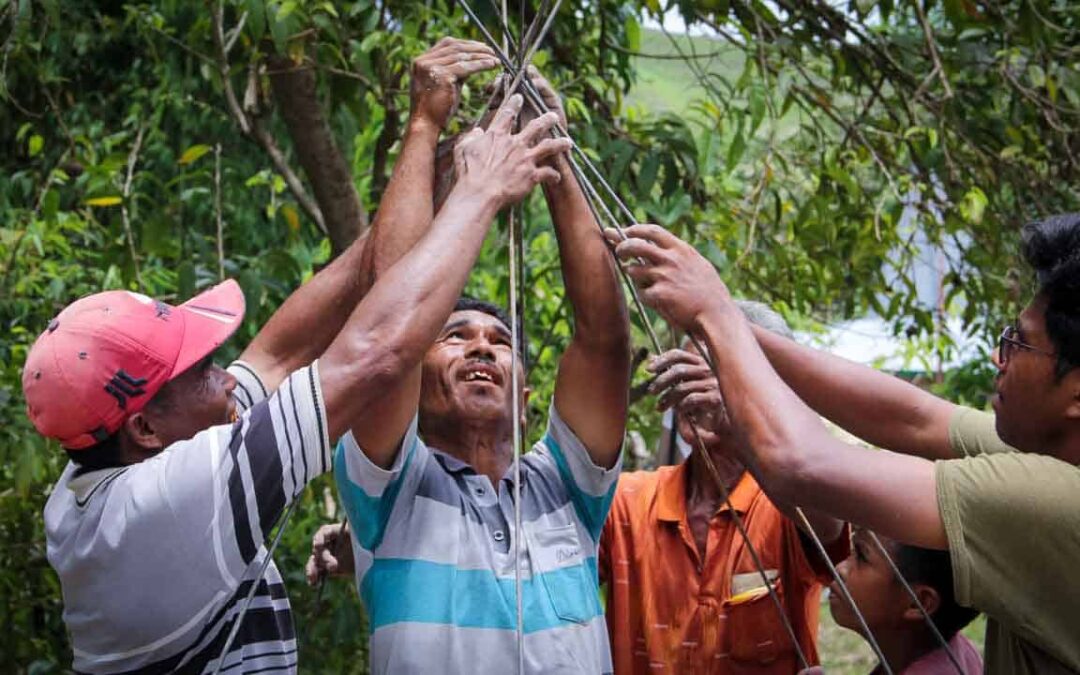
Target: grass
{"points": [[843, 652]]}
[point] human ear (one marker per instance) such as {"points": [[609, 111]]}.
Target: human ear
{"points": [[140, 430], [1071, 383], [928, 597]]}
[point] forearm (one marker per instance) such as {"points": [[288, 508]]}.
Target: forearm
{"points": [[594, 372], [878, 408], [387, 335], [406, 208], [798, 460], [306, 323], [588, 271], [776, 427]]}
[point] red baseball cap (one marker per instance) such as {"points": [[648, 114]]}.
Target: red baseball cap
{"points": [[104, 356]]}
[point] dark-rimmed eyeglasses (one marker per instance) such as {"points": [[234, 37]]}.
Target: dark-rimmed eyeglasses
{"points": [[1009, 340]]}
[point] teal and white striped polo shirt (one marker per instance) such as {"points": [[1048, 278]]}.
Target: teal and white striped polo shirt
{"points": [[434, 549]]}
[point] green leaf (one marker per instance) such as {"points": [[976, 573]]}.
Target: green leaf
{"points": [[34, 145], [193, 153], [633, 33], [110, 200], [256, 19]]}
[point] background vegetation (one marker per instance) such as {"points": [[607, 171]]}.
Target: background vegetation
{"points": [[160, 145]]}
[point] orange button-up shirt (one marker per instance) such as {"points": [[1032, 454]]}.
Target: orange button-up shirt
{"points": [[670, 611]]}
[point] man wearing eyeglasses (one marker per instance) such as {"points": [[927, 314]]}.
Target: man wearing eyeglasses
{"points": [[1000, 492]]}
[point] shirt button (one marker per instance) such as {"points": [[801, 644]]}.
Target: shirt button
{"points": [[499, 536], [479, 490]]}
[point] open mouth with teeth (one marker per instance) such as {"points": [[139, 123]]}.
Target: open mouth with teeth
{"points": [[480, 372]]}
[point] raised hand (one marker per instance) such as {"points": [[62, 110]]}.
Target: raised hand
{"points": [[673, 278], [331, 554], [685, 382], [506, 165], [547, 92], [437, 74]]}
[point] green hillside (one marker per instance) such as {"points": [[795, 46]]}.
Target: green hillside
{"points": [[668, 84]]}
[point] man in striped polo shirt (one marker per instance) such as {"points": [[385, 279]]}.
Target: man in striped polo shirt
{"points": [[433, 519], [180, 469]]}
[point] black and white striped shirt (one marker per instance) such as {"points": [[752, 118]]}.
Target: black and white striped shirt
{"points": [[155, 559]]}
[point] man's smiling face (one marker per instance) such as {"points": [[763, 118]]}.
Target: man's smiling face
{"points": [[467, 371]]}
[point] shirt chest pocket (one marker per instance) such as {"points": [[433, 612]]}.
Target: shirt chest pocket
{"points": [[756, 633], [559, 560]]}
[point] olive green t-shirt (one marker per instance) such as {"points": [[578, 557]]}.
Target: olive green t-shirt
{"points": [[1013, 524]]}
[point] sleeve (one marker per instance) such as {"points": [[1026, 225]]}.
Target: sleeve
{"points": [[249, 386], [591, 487], [973, 432], [241, 477], [1011, 521], [370, 492]]}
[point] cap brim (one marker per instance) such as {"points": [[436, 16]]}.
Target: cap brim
{"points": [[210, 319]]}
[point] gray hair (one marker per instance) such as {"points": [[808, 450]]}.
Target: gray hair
{"points": [[760, 314]]}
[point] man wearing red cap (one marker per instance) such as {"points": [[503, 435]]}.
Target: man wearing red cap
{"points": [[180, 468]]}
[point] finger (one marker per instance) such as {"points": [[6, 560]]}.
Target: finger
{"points": [[463, 69], [311, 571], [698, 402], [548, 175], [641, 275], [508, 112], [613, 236], [550, 147], [653, 233], [682, 373], [328, 562], [662, 362], [539, 127], [634, 248]]}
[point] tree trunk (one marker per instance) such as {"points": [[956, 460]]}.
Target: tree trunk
{"points": [[296, 95]]}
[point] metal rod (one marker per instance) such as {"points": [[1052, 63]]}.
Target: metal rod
{"points": [[844, 590], [914, 596], [254, 585], [537, 103]]}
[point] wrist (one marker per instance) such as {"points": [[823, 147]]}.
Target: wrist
{"points": [[418, 125], [719, 310], [477, 199]]}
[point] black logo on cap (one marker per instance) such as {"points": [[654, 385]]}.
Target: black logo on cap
{"points": [[122, 386]]}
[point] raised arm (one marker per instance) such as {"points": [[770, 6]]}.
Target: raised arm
{"points": [[879, 408], [302, 328], [305, 324], [387, 335], [594, 372], [797, 459]]}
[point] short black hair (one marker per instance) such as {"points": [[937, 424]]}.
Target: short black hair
{"points": [[103, 455], [469, 304], [1052, 248], [934, 568]]}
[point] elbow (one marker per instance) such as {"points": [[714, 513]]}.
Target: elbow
{"points": [[379, 363], [783, 468]]}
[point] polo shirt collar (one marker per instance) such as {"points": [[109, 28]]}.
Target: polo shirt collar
{"points": [[671, 494], [450, 463]]}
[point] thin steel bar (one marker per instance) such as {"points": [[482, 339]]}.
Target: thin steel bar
{"points": [[523, 64], [537, 103], [844, 590], [254, 585], [914, 596]]}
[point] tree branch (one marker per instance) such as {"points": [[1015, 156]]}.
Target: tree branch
{"points": [[252, 127], [295, 92]]}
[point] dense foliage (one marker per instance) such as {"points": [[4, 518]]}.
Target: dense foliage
{"points": [[160, 145]]}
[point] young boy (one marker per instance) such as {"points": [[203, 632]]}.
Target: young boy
{"points": [[893, 617]]}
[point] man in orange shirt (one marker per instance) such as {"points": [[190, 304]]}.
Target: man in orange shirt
{"points": [[683, 593]]}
